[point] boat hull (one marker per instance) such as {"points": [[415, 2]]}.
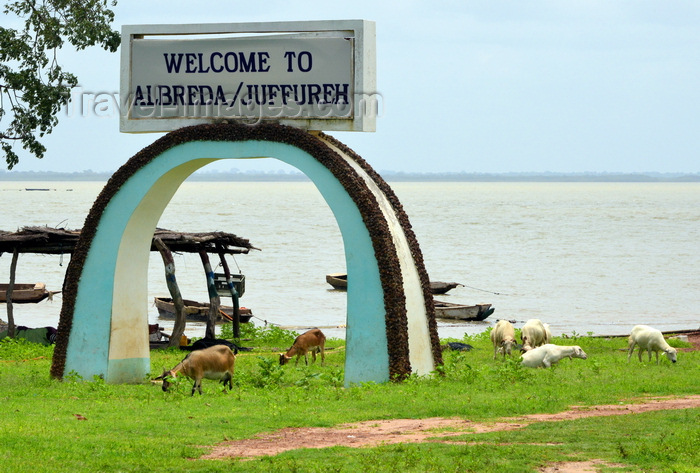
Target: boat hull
{"points": [[340, 281], [198, 311], [447, 310], [337, 280], [25, 293]]}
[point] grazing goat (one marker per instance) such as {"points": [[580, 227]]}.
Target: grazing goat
{"points": [[503, 338], [215, 362], [650, 339], [548, 354], [533, 334], [312, 341], [547, 334]]}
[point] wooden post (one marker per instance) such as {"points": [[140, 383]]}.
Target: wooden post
{"points": [[234, 295], [180, 316], [214, 301], [10, 288]]}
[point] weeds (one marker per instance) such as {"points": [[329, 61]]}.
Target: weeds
{"points": [[268, 335], [510, 371], [140, 428], [269, 373]]}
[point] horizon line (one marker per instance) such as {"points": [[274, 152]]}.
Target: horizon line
{"points": [[457, 176]]}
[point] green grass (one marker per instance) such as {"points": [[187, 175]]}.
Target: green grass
{"points": [[140, 428]]}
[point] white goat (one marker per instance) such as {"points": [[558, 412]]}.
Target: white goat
{"points": [[503, 338], [649, 339], [533, 334], [547, 333], [548, 354], [216, 362], [311, 341]]}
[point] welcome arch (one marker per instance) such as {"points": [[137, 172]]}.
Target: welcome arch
{"points": [[391, 329]]}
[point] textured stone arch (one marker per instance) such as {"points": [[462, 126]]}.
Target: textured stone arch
{"points": [[391, 329]]}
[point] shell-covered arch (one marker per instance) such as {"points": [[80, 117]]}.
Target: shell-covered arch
{"points": [[391, 329]]}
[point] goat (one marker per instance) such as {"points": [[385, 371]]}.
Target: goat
{"points": [[547, 333], [533, 334], [649, 339], [503, 338], [215, 362], [313, 341], [548, 354]]}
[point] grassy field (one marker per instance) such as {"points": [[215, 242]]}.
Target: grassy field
{"points": [[73, 425]]}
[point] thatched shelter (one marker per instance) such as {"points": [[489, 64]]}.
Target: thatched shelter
{"points": [[47, 240]]}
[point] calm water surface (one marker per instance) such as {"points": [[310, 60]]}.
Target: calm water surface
{"points": [[584, 257]]}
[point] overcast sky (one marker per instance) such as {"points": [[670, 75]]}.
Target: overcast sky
{"points": [[472, 86]]}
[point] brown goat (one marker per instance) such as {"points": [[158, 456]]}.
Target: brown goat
{"points": [[311, 341], [216, 362]]}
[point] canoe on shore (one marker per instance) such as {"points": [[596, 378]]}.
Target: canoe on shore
{"points": [[199, 311], [26, 293], [448, 310]]}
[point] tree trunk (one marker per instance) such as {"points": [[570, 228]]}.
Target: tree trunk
{"points": [[10, 288], [214, 301], [180, 316], [234, 296]]}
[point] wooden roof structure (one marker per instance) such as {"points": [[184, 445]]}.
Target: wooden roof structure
{"points": [[47, 240]]}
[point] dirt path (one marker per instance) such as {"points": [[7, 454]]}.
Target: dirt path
{"points": [[371, 433]]}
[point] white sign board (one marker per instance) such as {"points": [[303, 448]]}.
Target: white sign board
{"points": [[315, 75]]}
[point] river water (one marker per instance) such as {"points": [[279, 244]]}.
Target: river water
{"points": [[584, 257]]}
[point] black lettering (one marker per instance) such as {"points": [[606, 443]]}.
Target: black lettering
{"points": [[220, 96], [178, 95], [148, 94], [192, 91], [342, 93], [227, 64], [211, 62], [309, 65], [246, 99], [290, 56], [301, 100], [287, 90], [173, 64], [272, 90], [201, 66], [165, 98], [190, 60], [262, 62], [249, 65], [206, 95], [314, 92], [138, 97], [304, 61], [328, 93]]}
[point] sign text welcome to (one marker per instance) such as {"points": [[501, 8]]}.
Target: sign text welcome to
{"points": [[316, 75]]}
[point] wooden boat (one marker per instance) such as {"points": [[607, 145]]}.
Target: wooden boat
{"points": [[26, 293], [337, 280], [440, 287], [199, 311], [340, 281], [448, 310]]}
